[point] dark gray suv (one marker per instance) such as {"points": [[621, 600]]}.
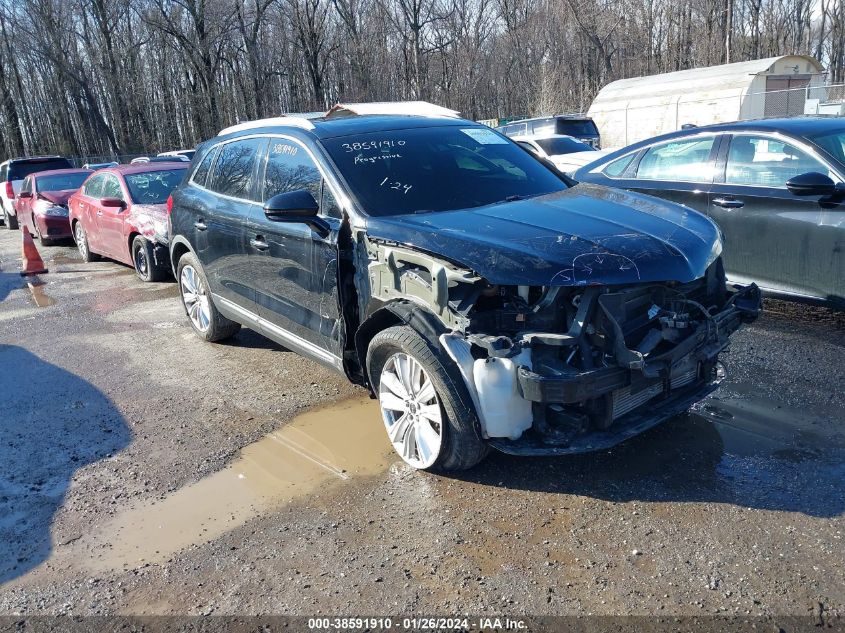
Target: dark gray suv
{"points": [[483, 299]]}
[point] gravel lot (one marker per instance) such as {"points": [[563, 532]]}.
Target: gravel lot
{"points": [[145, 472]]}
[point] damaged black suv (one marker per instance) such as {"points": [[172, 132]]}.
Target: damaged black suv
{"points": [[482, 297]]}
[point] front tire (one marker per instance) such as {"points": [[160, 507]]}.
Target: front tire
{"points": [[37, 233], [204, 317], [144, 260], [82, 243], [426, 409]]}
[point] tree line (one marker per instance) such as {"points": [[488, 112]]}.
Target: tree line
{"points": [[121, 77]]}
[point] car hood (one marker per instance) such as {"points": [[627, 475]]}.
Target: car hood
{"points": [[585, 235], [57, 197]]}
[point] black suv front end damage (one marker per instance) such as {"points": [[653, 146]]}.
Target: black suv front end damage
{"points": [[567, 369], [576, 319], [632, 358], [598, 365]]}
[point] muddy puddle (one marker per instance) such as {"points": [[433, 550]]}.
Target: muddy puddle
{"points": [[330, 445], [39, 295]]}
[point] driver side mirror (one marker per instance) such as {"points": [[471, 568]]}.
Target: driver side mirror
{"points": [[25, 194], [294, 206], [114, 203], [297, 206], [811, 184]]}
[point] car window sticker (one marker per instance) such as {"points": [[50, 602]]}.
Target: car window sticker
{"points": [[485, 137]]}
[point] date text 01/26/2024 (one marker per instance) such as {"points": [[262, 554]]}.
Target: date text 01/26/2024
{"points": [[416, 624]]}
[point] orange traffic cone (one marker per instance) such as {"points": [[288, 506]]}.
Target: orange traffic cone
{"points": [[32, 262]]}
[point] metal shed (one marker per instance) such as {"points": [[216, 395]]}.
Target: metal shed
{"points": [[629, 110]]}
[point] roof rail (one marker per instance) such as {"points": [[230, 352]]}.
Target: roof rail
{"points": [[279, 120], [408, 108]]}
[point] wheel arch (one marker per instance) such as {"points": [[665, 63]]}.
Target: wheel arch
{"points": [[398, 312], [133, 233], [179, 247]]}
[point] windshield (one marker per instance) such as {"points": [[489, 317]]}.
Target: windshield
{"points": [[833, 143], [555, 146], [153, 187], [437, 169], [61, 182]]}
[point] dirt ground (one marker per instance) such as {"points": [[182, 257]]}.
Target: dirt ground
{"points": [[143, 471]]}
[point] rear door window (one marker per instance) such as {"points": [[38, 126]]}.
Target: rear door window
{"points": [[684, 160], [234, 168], [93, 187]]}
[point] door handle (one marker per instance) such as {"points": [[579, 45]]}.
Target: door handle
{"points": [[258, 243], [728, 203], [200, 225]]}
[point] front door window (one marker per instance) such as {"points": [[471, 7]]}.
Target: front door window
{"points": [[768, 162]]}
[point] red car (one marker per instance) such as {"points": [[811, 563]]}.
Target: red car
{"points": [[41, 205], [121, 213]]}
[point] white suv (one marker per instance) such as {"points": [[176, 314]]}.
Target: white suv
{"points": [[12, 173]]}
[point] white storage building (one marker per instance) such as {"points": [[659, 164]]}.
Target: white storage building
{"points": [[629, 110]]}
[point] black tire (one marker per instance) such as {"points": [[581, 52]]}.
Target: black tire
{"points": [[11, 220], [81, 239], [37, 233], [219, 327], [461, 447], [144, 260]]}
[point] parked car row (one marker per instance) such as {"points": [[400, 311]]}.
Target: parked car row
{"points": [[116, 211], [775, 187], [485, 298]]}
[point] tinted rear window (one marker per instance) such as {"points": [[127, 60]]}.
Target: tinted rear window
{"points": [[577, 128], [61, 182], [22, 169], [153, 187], [437, 169], [234, 168], [204, 167]]}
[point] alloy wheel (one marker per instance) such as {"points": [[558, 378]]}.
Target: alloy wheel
{"points": [[411, 410], [141, 264], [195, 298]]}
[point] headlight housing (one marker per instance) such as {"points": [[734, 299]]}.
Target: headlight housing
{"points": [[55, 211], [716, 250]]}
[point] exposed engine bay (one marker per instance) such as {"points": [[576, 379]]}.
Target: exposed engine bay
{"points": [[557, 369]]}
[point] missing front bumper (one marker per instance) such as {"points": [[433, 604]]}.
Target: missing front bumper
{"points": [[585, 410], [634, 423]]}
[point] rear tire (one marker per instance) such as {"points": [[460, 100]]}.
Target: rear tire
{"points": [[143, 258], [81, 239], [204, 317], [11, 220], [460, 445]]}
